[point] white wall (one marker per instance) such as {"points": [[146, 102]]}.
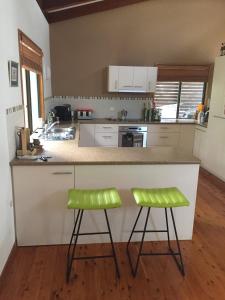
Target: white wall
{"points": [[14, 15]]}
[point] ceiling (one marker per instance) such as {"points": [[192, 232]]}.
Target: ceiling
{"points": [[59, 10]]}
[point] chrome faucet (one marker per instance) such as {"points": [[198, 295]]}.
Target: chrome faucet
{"points": [[51, 125]]}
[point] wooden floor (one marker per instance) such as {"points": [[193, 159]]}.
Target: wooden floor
{"points": [[38, 273]]}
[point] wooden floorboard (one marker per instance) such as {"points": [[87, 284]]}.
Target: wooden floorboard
{"points": [[38, 273]]}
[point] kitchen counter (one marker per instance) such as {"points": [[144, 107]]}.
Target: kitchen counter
{"points": [[41, 188], [69, 153]]}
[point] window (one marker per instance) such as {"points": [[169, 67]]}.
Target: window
{"points": [[32, 81], [180, 88], [178, 99]]}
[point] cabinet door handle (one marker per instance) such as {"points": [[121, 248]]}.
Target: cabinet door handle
{"points": [[107, 136], [164, 137], [62, 173]]}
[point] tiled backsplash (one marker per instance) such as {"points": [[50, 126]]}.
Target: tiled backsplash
{"points": [[103, 107]]}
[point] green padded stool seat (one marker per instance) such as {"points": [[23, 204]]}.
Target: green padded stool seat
{"points": [[166, 198], [93, 199], [83, 200], [161, 198]]}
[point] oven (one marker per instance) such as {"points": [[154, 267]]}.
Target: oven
{"points": [[132, 136]]}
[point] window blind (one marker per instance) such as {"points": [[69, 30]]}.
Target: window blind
{"points": [[188, 73], [191, 95], [166, 93], [30, 54]]}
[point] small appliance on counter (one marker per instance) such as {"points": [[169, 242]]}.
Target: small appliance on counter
{"points": [[84, 114], [63, 112]]}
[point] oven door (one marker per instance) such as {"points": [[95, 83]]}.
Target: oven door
{"points": [[131, 139]]}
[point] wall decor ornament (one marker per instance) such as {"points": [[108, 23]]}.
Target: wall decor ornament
{"points": [[13, 68]]}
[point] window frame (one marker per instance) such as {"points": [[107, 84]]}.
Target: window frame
{"points": [[31, 61], [179, 94]]}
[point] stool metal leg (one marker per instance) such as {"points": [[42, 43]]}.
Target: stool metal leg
{"points": [[128, 243], [134, 270], [134, 227], [113, 248], [71, 239], [70, 258], [181, 265], [168, 233]]}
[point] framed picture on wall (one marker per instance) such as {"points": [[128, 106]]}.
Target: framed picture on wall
{"points": [[13, 73]]}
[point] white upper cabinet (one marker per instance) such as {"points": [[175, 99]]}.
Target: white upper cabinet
{"points": [[129, 79], [125, 78], [113, 79], [152, 73], [140, 79]]}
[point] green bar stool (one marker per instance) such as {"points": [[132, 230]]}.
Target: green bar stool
{"points": [[82, 200], [159, 198]]}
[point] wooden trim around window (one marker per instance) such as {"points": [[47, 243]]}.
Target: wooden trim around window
{"points": [[191, 73], [31, 57]]}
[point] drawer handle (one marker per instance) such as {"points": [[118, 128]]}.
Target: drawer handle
{"points": [[138, 86], [164, 127], [164, 137], [127, 86], [107, 127], [62, 173], [106, 136]]}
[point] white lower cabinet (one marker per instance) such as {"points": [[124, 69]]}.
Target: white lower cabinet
{"points": [[99, 135], [106, 135], [104, 139], [199, 143], [87, 135], [163, 135], [187, 136], [175, 135], [40, 195], [163, 139]]}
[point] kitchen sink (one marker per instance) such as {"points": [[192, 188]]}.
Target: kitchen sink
{"points": [[59, 134]]}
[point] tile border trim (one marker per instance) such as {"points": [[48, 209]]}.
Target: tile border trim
{"points": [[101, 98], [14, 109]]}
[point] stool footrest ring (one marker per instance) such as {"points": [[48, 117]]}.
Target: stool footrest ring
{"points": [[91, 257], [92, 233]]}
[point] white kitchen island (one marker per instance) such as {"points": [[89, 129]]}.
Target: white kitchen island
{"points": [[40, 191]]}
